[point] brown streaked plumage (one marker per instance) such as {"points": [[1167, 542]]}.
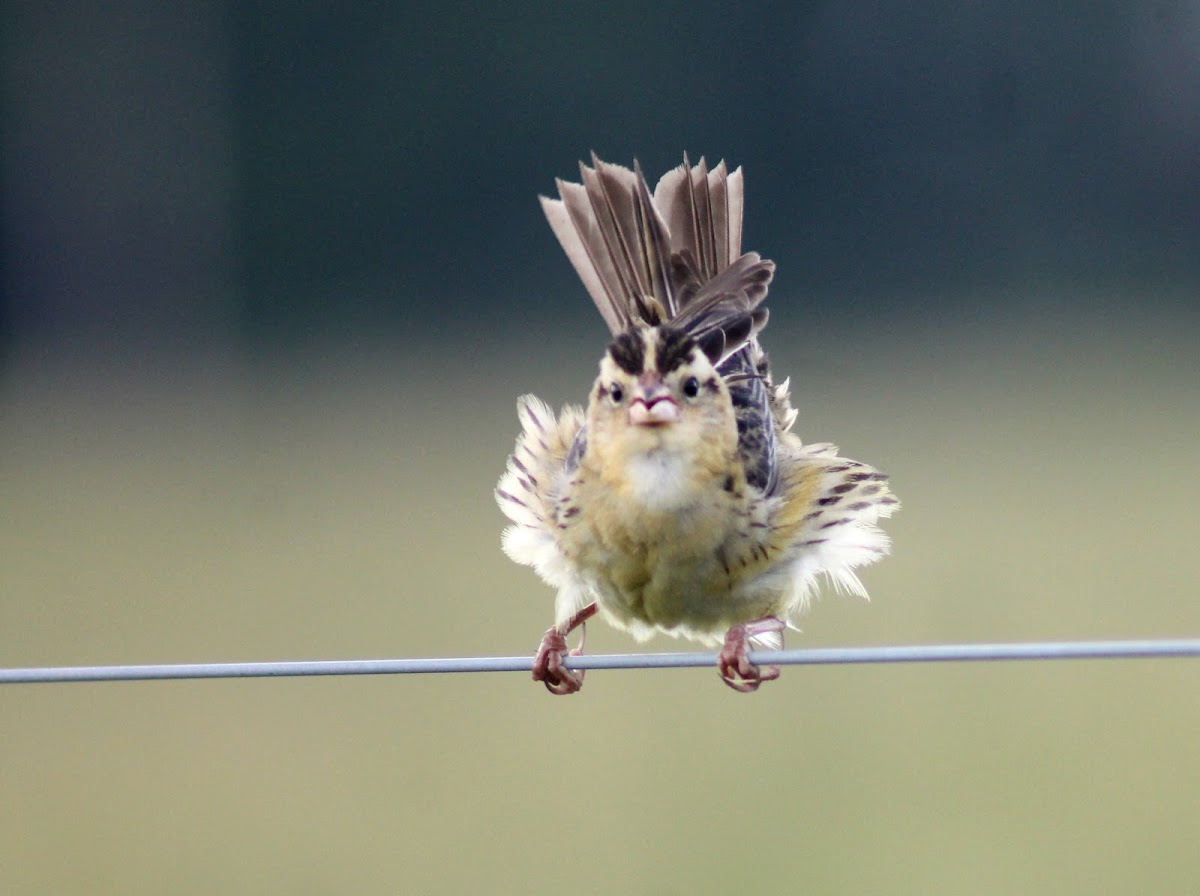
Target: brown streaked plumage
{"points": [[680, 501]]}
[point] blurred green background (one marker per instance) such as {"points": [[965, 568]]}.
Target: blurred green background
{"points": [[273, 277]]}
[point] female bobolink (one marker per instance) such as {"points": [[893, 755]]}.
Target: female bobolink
{"points": [[680, 501]]}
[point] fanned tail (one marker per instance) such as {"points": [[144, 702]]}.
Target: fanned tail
{"points": [[672, 257]]}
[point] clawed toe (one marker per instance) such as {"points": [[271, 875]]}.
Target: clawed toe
{"points": [[548, 666], [745, 678], [548, 663], [733, 662]]}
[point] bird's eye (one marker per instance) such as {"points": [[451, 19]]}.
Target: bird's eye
{"points": [[616, 393], [691, 387]]}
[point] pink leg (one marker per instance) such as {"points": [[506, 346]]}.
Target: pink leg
{"points": [[734, 664], [548, 665]]}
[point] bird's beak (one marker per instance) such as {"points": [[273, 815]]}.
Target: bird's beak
{"points": [[653, 404]]}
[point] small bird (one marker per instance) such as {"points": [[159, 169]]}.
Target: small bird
{"points": [[680, 501]]}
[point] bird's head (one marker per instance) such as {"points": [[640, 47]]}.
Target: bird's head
{"points": [[659, 392]]}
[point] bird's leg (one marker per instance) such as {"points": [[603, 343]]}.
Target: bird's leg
{"points": [[733, 662], [548, 665]]}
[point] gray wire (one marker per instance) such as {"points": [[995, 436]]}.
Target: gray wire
{"points": [[1052, 650]]}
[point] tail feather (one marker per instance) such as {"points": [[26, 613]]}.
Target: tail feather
{"points": [[574, 223], [703, 211], [612, 194]]}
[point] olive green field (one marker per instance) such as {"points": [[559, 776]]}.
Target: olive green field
{"points": [[334, 502]]}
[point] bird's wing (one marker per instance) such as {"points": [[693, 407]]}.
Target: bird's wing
{"points": [[530, 487], [828, 514]]}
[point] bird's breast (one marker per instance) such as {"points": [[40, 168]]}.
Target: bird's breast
{"points": [[653, 543]]}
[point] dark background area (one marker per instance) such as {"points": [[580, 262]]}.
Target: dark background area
{"points": [[273, 278], [271, 173]]}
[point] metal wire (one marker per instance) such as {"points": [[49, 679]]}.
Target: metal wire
{"points": [[1052, 650]]}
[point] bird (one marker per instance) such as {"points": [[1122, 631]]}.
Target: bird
{"points": [[680, 501]]}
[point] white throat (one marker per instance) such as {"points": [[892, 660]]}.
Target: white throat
{"points": [[661, 479]]}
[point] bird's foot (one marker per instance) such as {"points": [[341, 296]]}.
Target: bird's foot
{"points": [[733, 662], [548, 667]]}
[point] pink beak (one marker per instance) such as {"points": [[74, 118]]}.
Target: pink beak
{"points": [[654, 406]]}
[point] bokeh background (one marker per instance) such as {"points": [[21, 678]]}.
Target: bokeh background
{"points": [[273, 277]]}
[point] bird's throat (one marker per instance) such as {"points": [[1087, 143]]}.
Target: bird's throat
{"points": [[661, 480]]}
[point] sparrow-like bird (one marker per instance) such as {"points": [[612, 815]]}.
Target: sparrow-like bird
{"points": [[679, 501]]}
